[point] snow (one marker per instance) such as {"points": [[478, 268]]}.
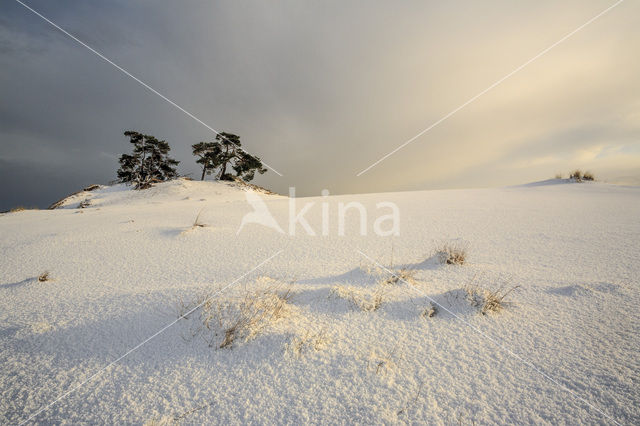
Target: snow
{"points": [[565, 350]]}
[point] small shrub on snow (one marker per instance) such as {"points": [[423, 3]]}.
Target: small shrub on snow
{"points": [[45, 276], [588, 176], [452, 254]]}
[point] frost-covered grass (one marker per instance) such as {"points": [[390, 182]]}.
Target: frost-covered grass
{"points": [[350, 342]]}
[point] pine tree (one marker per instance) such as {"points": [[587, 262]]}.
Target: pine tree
{"points": [[208, 156], [226, 152], [246, 166], [149, 162], [230, 147]]}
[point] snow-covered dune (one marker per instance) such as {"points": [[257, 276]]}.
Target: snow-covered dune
{"points": [[347, 343]]}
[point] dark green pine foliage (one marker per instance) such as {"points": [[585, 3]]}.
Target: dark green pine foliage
{"points": [[208, 154], [149, 162], [225, 153], [229, 147], [247, 165]]}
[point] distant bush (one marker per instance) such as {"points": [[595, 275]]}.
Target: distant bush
{"points": [[576, 175], [45, 276]]}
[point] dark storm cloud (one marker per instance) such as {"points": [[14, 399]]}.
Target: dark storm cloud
{"points": [[318, 90], [29, 184]]}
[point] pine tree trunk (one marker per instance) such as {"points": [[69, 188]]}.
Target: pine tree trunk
{"points": [[142, 161], [204, 170]]}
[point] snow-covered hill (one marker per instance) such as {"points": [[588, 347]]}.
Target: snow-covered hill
{"points": [[322, 334]]}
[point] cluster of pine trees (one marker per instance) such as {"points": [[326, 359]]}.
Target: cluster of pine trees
{"points": [[149, 161]]}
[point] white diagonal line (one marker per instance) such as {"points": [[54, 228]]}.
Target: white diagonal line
{"points": [[493, 340], [124, 71], [97, 373], [491, 87]]}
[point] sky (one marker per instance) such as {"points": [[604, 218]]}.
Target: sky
{"points": [[322, 90]]}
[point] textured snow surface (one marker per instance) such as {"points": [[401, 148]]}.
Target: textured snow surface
{"points": [[565, 351]]}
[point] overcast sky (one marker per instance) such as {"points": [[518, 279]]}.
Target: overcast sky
{"points": [[321, 90]]}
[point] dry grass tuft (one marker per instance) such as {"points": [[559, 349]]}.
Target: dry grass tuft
{"points": [[250, 316], [367, 301], [382, 363], [430, 311], [308, 342], [45, 276], [411, 402], [184, 308], [403, 275], [222, 322], [197, 223], [488, 300], [19, 209], [452, 253]]}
